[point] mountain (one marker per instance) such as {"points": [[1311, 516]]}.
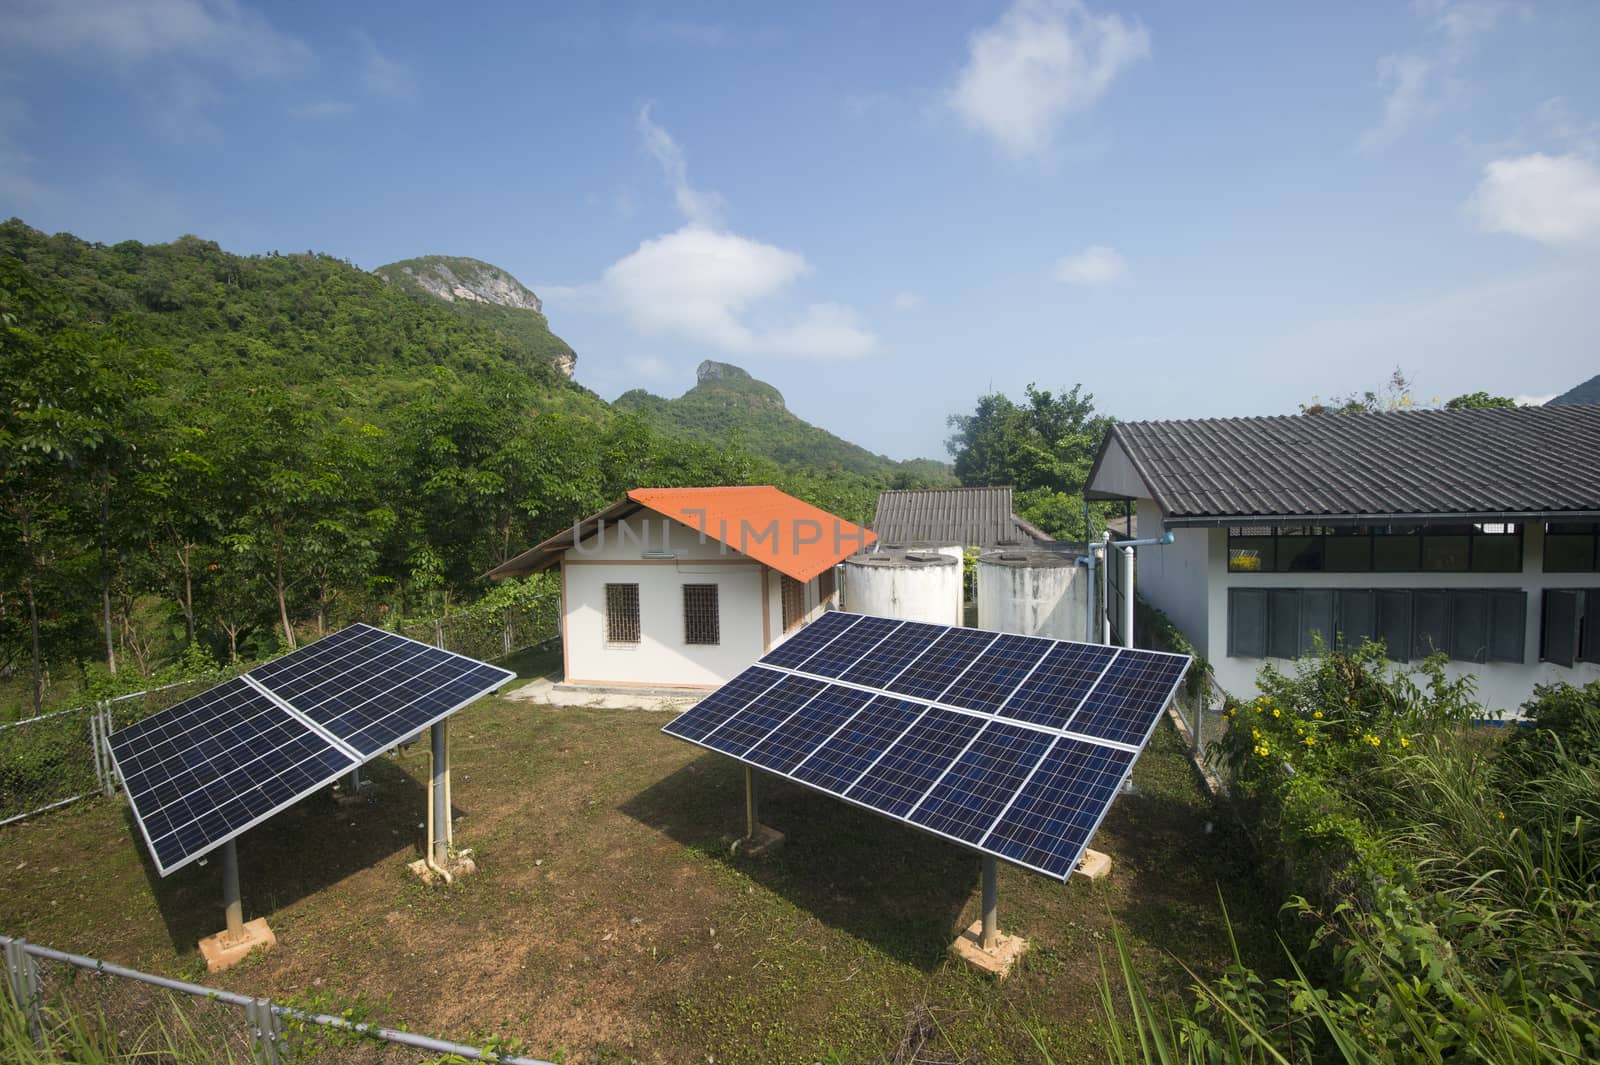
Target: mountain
{"points": [[727, 404], [1588, 392], [483, 293]]}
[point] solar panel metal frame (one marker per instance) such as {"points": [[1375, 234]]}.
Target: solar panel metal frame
{"points": [[333, 741], [995, 715]]}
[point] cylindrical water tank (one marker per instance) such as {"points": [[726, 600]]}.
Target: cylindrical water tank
{"points": [[910, 585], [1034, 591]]}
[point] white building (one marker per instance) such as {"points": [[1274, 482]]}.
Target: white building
{"points": [[685, 587], [1473, 532]]}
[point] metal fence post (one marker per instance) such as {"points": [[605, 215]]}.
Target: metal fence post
{"points": [[105, 750], [264, 1031], [22, 974]]}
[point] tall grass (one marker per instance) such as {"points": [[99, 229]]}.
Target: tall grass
{"points": [[67, 1036]]}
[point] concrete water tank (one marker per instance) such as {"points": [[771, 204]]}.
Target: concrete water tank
{"points": [[910, 585], [1034, 591]]}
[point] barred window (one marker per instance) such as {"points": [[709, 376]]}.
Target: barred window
{"points": [[622, 613], [701, 617], [794, 603]]}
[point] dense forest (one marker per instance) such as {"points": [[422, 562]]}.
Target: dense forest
{"points": [[212, 456]]}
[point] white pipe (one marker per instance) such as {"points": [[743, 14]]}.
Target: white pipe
{"points": [[1127, 595]]}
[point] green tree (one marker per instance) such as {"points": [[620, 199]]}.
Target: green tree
{"points": [[1044, 448], [1478, 401]]}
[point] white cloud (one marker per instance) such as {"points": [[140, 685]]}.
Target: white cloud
{"points": [[702, 208], [1553, 199], [17, 184], [1094, 265], [906, 300], [382, 75], [702, 283], [222, 33], [1042, 61], [180, 106], [1418, 81], [1534, 401]]}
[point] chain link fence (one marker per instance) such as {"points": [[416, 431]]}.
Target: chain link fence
{"points": [[57, 758], [81, 1008]]}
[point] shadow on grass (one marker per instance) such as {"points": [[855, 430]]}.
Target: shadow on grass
{"points": [[893, 886], [302, 850]]}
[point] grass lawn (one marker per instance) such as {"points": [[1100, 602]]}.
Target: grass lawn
{"points": [[609, 921]]}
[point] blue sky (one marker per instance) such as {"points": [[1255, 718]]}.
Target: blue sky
{"points": [[884, 209]]}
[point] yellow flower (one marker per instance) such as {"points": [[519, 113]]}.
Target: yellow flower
{"points": [[1501, 814], [1311, 741], [1404, 742], [1277, 713], [1317, 715]]}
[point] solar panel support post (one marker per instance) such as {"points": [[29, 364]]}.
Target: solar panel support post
{"points": [[752, 803], [1127, 596], [439, 822], [991, 903], [232, 906]]}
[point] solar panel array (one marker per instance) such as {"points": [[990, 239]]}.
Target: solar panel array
{"points": [[200, 773], [1012, 745]]}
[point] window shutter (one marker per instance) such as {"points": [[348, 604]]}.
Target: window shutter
{"points": [[1430, 621], [1589, 628], [1358, 615], [1558, 640], [1508, 625], [1469, 626], [1394, 623], [1316, 618], [1283, 623], [1247, 623]]}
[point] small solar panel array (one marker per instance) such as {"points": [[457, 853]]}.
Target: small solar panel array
{"points": [[200, 773], [1012, 745]]}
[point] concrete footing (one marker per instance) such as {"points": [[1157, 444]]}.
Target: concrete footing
{"points": [[461, 864], [997, 962], [226, 949], [343, 796], [1094, 865], [764, 842]]}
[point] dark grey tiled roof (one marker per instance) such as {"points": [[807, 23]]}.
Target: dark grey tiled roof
{"points": [[979, 517], [1524, 460]]}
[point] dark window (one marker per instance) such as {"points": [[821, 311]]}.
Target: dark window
{"points": [[1470, 625], [794, 602], [622, 613], [826, 585], [701, 618], [1396, 549], [1299, 550], [1394, 622], [1484, 548], [1571, 547], [1348, 551], [1571, 626], [1247, 623]]}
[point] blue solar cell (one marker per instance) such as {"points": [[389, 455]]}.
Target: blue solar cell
{"points": [[982, 781], [995, 674], [811, 639], [763, 714], [889, 656], [1051, 695], [711, 712], [937, 668], [207, 768], [324, 650], [1050, 823], [836, 764], [1129, 699], [803, 733], [840, 655], [916, 760]]}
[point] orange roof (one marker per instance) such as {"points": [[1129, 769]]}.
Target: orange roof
{"points": [[760, 522]]}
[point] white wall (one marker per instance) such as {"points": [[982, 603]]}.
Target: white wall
{"points": [[1174, 578], [1501, 685], [750, 602], [661, 658]]}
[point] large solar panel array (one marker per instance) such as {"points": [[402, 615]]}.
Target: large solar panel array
{"points": [[199, 773], [1012, 745]]}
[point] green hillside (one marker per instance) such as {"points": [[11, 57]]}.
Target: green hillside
{"points": [[485, 295], [727, 404], [1588, 392]]}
